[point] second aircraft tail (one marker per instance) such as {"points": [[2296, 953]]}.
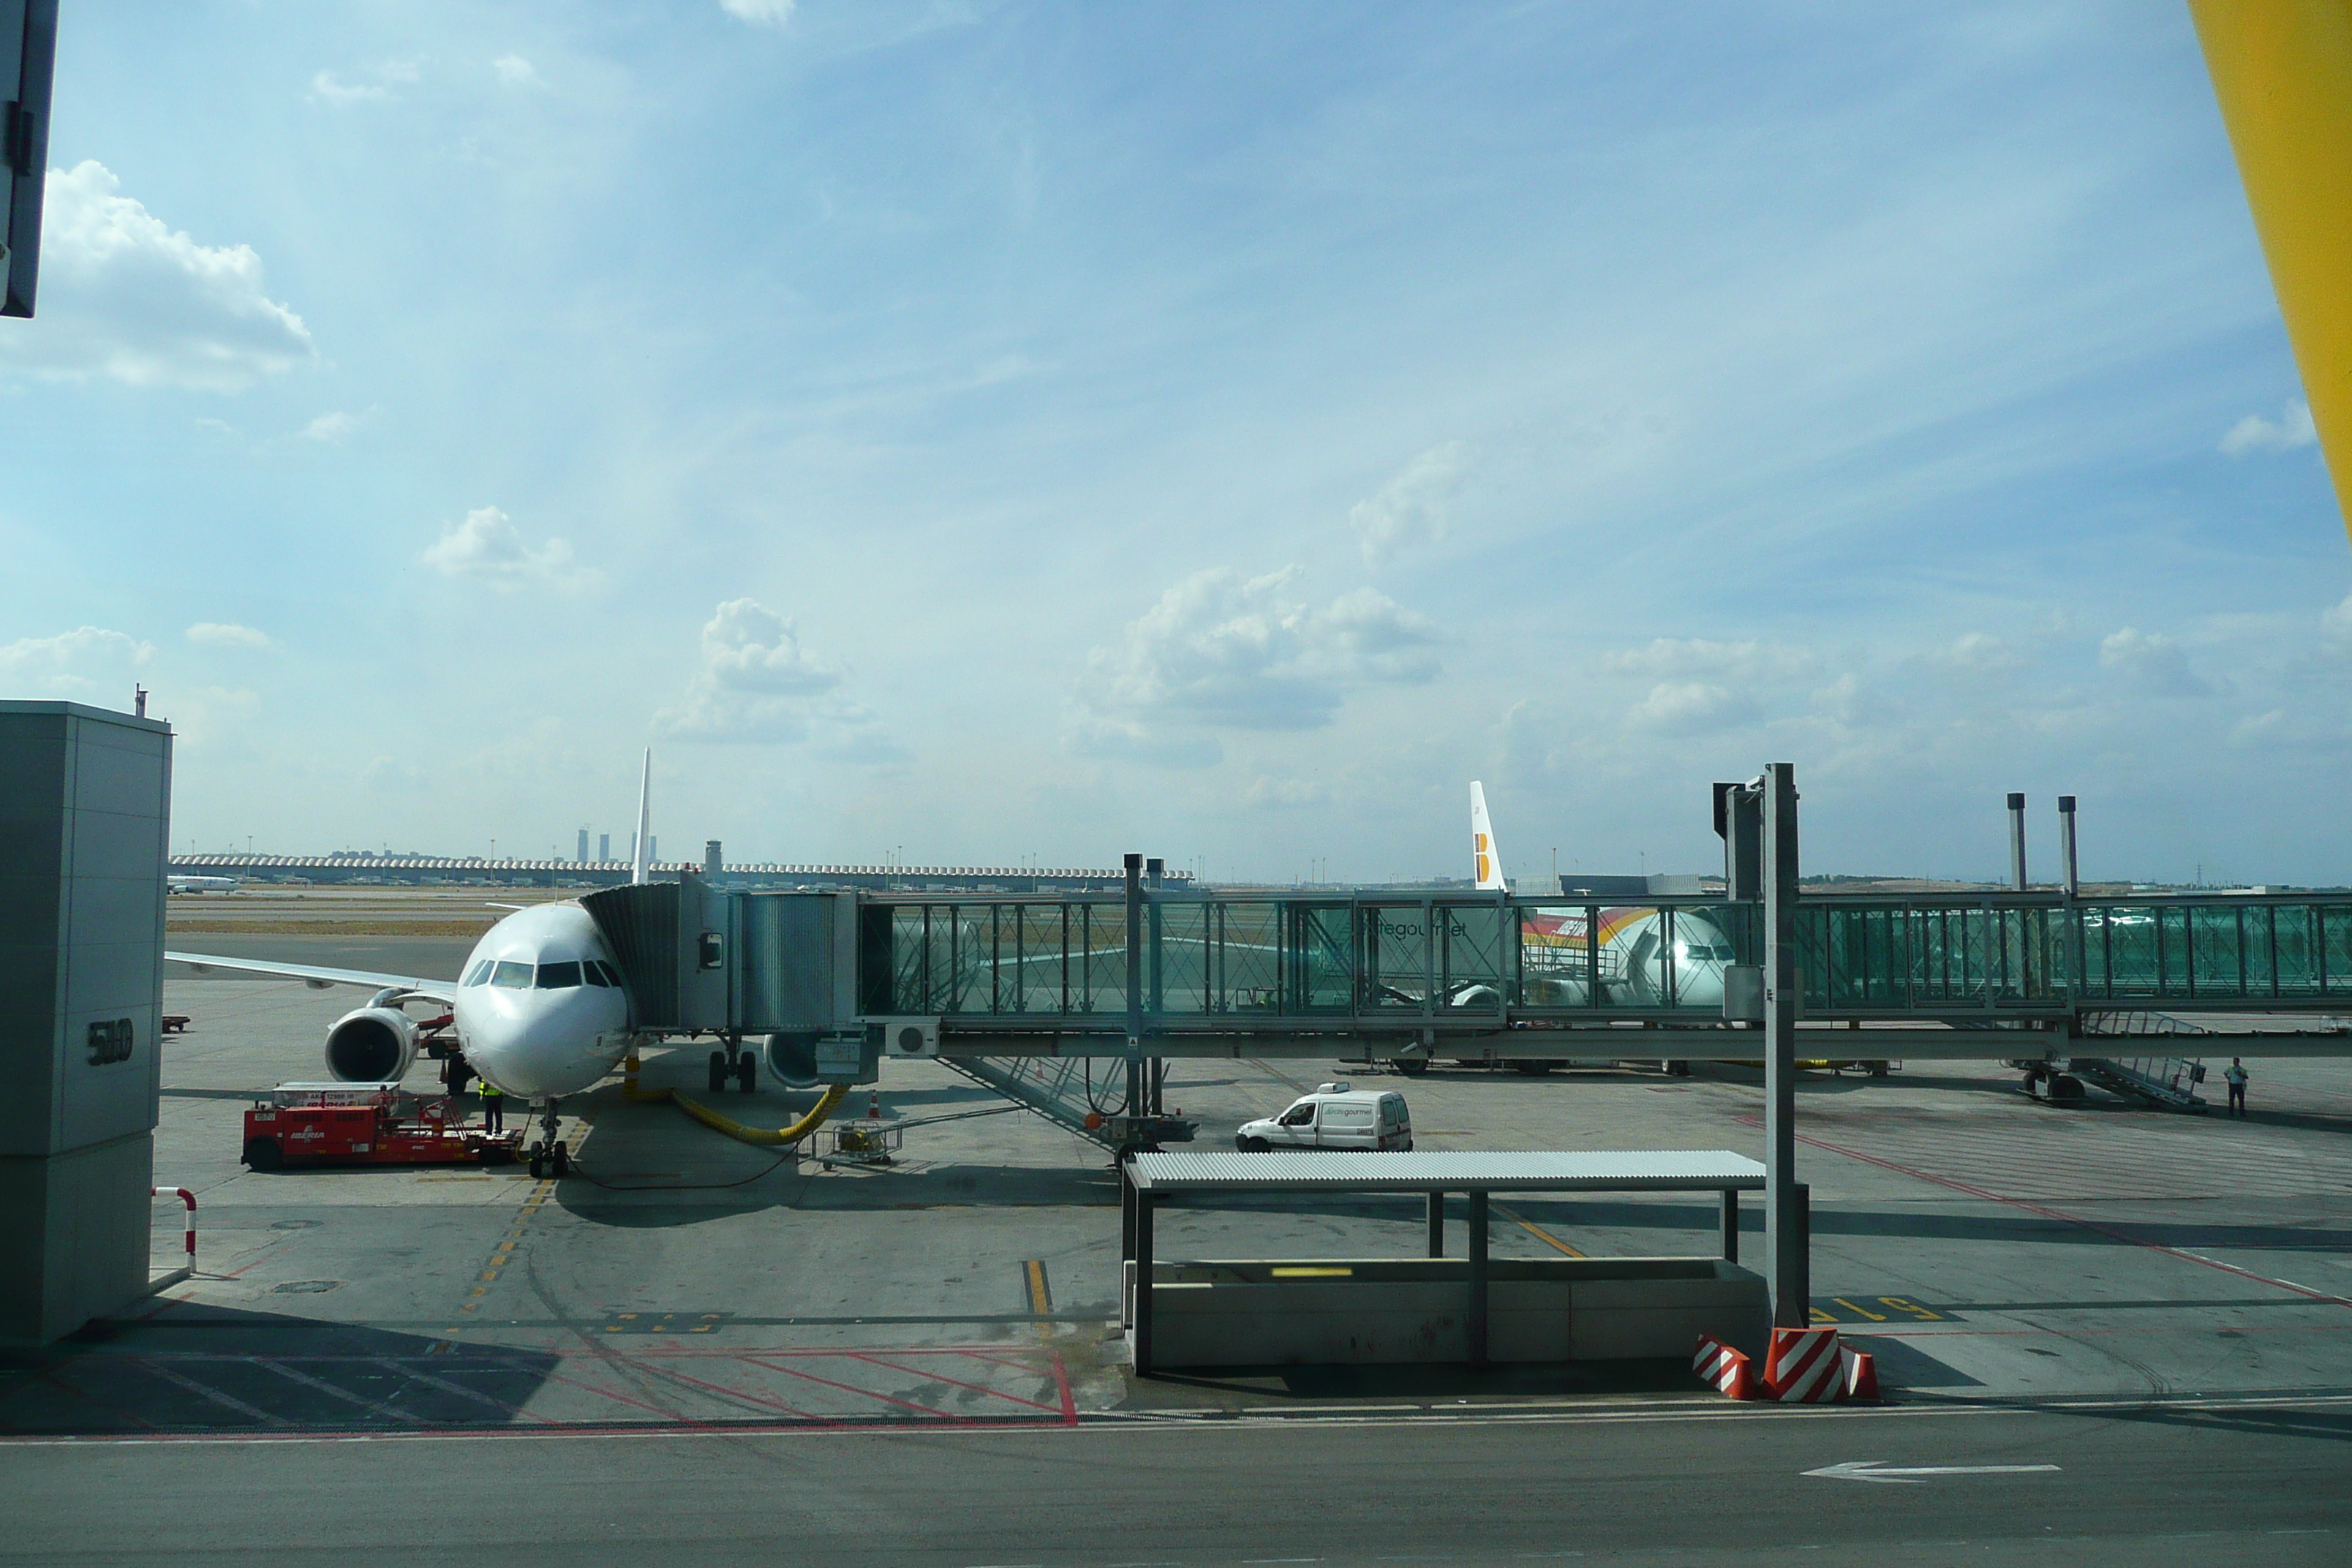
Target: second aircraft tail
{"points": [[1487, 860]]}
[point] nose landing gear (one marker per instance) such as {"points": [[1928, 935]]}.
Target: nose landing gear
{"points": [[549, 1156]]}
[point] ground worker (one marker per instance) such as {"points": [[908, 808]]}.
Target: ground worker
{"points": [[494, 1108], [2236, 1078]]}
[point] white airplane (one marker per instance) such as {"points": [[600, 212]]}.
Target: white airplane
{"points": [[179, 884], [1557, 956], [540, 1008]]}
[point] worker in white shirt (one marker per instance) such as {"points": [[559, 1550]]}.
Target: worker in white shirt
{"points": [[2236, 1078]]}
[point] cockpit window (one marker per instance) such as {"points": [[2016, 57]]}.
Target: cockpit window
{"points": [[592, 971], [558, 976], [480, 974], [512, 975], [612, 975]]}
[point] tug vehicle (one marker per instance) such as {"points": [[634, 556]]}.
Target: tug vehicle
{"points": [[365, 1124]]}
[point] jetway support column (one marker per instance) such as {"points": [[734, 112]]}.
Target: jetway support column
{"points": [[1134, 985], [1437, 1224], [1784, 1224], [1476, 1326]]}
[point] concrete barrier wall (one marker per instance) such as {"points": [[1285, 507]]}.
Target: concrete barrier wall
{"points": [[1267, 1313]]}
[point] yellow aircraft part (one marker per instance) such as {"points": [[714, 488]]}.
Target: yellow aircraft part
{"points": [[766, 1137], [2283, 72]]}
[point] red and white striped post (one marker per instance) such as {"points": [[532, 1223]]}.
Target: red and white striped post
{"points": [[1804, 1367], [188, 1198]]}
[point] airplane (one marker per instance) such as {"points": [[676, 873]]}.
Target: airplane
{"points": [[179, 884], [540, 1008], [1642, 957]]}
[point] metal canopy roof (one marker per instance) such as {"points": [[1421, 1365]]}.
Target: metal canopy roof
{"points": [[1546, 1170]]}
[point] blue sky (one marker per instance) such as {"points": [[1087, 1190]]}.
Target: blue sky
{"points": [[985, 431]]}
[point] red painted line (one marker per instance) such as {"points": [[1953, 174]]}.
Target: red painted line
{"points": [[954, 1383], [938, 1414], [2066, 1218], [551, 1376], [1013, 1360], [739, 1394], [1061, 1381]]}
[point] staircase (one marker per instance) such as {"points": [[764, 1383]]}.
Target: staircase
{"points": [[2166, 1082], [1056, 1088]]}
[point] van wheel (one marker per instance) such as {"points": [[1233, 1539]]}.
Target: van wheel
{"points": [[263, 1154], [1252, 1145]]}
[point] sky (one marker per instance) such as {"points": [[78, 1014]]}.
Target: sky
{"points": [[1020, 434]]}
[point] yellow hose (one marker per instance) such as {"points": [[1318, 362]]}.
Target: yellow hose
{"points": [[765, 1137]]}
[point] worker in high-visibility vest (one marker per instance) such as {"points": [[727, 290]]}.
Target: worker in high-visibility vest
{"points": [[494, 1108]]}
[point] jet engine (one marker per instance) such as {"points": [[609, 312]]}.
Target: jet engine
{"points": [[792, 1060], [372, 1045]]}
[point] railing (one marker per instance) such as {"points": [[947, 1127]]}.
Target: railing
{"points": [[1465, 958]]}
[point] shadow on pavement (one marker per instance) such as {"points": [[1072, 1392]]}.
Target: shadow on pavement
{"points": [[190, 1368]]}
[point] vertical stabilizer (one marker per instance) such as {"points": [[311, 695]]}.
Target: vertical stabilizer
{"points": [[1486, 861], [641, 867]]}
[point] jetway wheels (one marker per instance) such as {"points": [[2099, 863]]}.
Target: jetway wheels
{"points": [[743, 1067]]}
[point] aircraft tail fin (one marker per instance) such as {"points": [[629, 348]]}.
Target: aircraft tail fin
{"points": [[1487, 860], [642, 858]]}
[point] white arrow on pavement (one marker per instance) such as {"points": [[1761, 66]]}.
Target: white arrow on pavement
{"points": [[1872, 1471]]}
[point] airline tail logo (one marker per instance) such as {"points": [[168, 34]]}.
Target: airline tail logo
{"points": [[1486, 857]]}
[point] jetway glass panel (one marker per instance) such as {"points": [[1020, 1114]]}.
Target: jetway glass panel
{"points": [[1437, 957]]}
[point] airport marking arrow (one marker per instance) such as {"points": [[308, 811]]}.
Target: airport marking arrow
{"points": [[1910, 1475]]}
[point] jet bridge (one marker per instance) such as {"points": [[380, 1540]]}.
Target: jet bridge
{"points": [[2026, 976]]}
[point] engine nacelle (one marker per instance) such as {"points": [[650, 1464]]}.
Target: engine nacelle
{"points": [[791, 1060], [372, 1045]]}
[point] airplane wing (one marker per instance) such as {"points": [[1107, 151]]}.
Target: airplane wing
{"points": [[437, 990]]}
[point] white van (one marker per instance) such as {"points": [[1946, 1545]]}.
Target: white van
{"points": [[1333, 1116]]}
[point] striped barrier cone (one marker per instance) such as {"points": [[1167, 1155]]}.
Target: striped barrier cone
{"points": [[1860, 1373], [1726, 1371], [1803, 1367]]}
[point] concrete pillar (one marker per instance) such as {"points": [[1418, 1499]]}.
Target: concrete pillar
{"points": [[1731, 1224], [1476, 1325], [1784, 1234], [1143, 1284], [85, 825], [1437, 1224]]}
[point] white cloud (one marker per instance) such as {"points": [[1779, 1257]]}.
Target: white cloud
{"points": [[766, 13], [2291, 429], [1697, 657], [1219, 650], [1688, 707], [124, 296], [80, 665], [2153, 662], [332, 90], [759, 682], [1980, 653], [1413, 507], [331, 429], [224, 634], [486, 546], [2335, 625], [516, 71]]}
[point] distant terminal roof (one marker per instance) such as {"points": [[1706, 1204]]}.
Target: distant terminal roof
{"points": [[1556, 1171], [342, 868]]}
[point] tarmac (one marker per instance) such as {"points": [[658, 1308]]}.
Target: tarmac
{"points": [[2160, 1299]]}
